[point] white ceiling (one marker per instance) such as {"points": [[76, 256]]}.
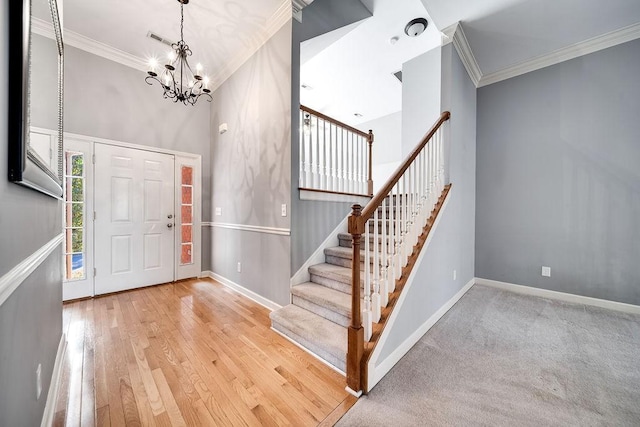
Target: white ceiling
{"points": [[350, 69], [354, 74], [217, 31], [503, 33]]}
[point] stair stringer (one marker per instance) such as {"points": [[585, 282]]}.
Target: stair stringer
{"points": [[375, 375], [302, 275]]}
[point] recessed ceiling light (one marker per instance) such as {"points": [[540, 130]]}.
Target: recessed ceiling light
{"points": [[393, 40], [415, 27], [357, 115]]}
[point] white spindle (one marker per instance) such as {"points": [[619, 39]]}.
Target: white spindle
{"points": [[384, 284], [301, 151], [367, 314], [375, 297]]}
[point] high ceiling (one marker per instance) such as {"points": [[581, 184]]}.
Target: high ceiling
{"points": [[216, 30], [353, 73], [350, 70], [503, 33]]}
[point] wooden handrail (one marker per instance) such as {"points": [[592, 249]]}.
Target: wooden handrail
{"points": [[334, 121], [368, 210], [357, 225]]}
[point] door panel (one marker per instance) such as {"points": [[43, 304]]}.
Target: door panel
{"points": [[134, 226]]}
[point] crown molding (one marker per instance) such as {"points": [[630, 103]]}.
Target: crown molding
{"points": [[466, 54], [281, 16], [79, 41], [586, 47], [448, 33]]}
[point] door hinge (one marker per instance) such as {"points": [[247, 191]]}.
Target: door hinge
{"points": [[94, 272], [93, 159], [94, 215]]}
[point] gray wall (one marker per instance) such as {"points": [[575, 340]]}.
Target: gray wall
{"points": [[251, 166], [387, 146], [421, 90], [31, 319], [558, 181], [122, 107], [311, 221], [452, 245]]}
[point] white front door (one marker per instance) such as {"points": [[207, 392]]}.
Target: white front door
{"points": [[134, 225]]}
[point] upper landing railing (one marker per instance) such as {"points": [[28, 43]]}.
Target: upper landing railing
{"points": [[334, 157]]}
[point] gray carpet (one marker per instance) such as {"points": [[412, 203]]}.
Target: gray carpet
{"points": [[499, 358]]}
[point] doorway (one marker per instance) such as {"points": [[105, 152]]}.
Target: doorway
{"points": [[132, 217]]}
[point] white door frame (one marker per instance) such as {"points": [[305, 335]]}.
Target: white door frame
{"points": [[194, 160]]}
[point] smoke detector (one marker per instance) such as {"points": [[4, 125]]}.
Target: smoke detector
{"points": [[415, 27]]}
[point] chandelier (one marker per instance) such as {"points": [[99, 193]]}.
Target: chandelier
{"points": [[177, 79]]}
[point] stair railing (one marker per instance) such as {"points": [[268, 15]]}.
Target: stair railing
{"points": [[334, 157], [391, 223]]}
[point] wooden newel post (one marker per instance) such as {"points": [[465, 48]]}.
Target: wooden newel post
{"points": [[355, 347], [370, 179]]}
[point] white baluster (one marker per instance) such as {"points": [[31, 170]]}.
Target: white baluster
{"points": [[398, 232], [301, 152], [384, 285], [367, 314], [375, 297]]}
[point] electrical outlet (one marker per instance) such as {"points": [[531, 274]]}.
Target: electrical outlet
{"points": [[455, 274], [38, 381], [239, 267], [284, 209], [218, 211], [546, 271]]}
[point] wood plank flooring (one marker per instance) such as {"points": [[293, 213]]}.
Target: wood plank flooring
{"points": [[191, 353]]}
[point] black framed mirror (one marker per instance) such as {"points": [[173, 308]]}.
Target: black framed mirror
{"points": [[36, 66]]}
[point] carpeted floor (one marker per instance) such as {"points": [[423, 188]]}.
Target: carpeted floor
{"points": [[502, 359]]}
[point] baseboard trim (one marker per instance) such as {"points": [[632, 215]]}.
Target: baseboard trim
{"points": [[266, 303], [560, 296], [297, 344], [18, 274], [378, 372], [54, 386]]}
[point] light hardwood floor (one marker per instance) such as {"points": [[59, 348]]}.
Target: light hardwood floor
{"points": [[189, 353]]}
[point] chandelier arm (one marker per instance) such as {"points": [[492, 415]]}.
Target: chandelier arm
{"points": [[190, 87]]}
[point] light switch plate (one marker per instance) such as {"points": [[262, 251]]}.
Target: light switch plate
{"points": [[546, 271], [284, 209], [218, 211]]}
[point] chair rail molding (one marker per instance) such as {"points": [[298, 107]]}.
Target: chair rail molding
{"points": [[18, 274], [252, 228]]}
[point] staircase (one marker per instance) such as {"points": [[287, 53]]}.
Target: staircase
{"points": [[320, 313], [341, 313]]}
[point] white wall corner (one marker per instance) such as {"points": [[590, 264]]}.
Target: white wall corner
{"points": [[265, 302], [302, 275], [466, 55], [54, 385]]}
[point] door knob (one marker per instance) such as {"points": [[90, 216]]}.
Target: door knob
{"points": [[170, 225], [169, 216]]}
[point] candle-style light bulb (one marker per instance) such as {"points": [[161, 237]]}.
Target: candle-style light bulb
{"points": [[153, 64]]}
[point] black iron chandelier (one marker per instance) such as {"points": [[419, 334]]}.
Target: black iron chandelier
{"points": [[177, 79]]}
